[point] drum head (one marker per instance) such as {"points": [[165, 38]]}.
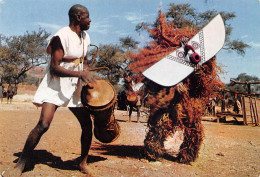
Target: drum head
{"points": [[100, 95], [131, 97]]}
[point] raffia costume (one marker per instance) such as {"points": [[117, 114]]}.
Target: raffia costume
{"points": [[173, 109], [64, 91]]}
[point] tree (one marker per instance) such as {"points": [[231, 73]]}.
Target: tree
{"points": [[18, 54], [128, 43], [243, 88], [112, 57], [183, 15]]}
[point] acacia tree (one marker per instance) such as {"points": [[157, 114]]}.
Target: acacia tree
{"points": [[110, 56], [183, 15], [128, 43], [242, 88], [113, 57], [19, 54]]}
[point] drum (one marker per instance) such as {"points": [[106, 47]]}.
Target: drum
{"points": [[131, 98], [100, 98]]}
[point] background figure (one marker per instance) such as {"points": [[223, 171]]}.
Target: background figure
{"points": [[10, 93], [213, 107], [237, 105], [1, 91], [136, 105], [135, 92], [121, 101], [224, 104]]}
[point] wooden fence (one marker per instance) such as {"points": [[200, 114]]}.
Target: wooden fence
{"points": [[250, 110]]}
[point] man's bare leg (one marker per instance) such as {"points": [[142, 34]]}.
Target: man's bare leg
{"points": [[130, 113], [138, 114], [85, 121], [34, 137]]}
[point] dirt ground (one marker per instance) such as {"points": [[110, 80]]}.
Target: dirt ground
{"points": [[228, 149]]}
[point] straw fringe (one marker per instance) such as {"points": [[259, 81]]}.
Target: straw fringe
{"points": [[172, 109]]}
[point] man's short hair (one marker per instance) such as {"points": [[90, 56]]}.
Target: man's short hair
{"points": [[75, 10]]}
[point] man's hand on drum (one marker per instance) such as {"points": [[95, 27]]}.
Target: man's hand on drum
{"points": [[88, 76]]}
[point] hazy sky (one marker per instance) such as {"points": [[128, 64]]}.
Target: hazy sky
{"points": [[113, 19]]}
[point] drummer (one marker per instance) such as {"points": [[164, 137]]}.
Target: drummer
{"points": [[134, 97], [61, 85], [137, 105]]}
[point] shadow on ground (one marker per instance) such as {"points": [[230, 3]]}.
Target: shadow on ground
{"points": [[121, 151], [47, 158]]}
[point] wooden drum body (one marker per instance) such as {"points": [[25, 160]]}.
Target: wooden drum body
{"points": [[100, 98], [131, 98]]}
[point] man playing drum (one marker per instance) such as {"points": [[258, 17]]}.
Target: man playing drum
{"points": [[62, 84], [134, 97], [137, 105]]}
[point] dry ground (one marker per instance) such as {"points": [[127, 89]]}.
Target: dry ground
{"points": [[227, 150]]}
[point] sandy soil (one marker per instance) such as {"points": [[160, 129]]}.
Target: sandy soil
{"points": [[228, 149]]}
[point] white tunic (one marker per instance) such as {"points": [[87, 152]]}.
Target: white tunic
{"points": [[64, 91]]}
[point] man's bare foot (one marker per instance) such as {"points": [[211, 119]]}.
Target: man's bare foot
{"points": [[129, 120], [17, 170], [12, 172], [84, 168]]}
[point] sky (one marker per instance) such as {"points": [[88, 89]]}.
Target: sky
{"points": [[114, 19]]}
